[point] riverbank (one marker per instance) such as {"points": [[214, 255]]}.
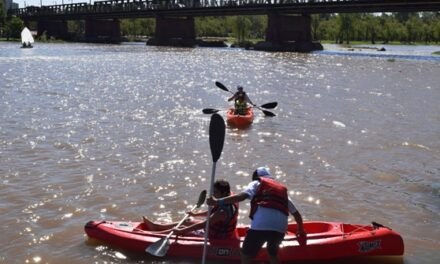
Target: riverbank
{"points": [[255, 44], [385, 50]]}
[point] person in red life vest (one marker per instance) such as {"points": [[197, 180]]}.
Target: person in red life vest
{"points": [[270, 208], [222, 222]]}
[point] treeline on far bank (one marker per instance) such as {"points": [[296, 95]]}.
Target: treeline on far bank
{"points": [[405, 28]]}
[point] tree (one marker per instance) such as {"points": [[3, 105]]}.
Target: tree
{"points": [[137, 27], [414, 28], [390, 29], [373, 28], [2, 17], [315, 26], [328, 30], [436, 31], [240, 28], [77, 27], [345, 27], [211, 26], [257, 27], [14, 27]]}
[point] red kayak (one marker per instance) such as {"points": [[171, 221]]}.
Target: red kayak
{"points": [[325, 241], [240, 121]]}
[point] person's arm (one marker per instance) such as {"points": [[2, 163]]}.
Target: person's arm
{"points": [[300, 232], [298, 219], [202, 213], [231, 98], [236, 198], [187, 229], [249, 100], [217, 216]]}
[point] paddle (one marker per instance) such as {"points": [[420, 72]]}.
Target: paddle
{"points": [[160, 247], [217, 129], [210, 110], [268, 105], [213, 110]]}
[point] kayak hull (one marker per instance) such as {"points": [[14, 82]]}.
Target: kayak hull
{"points": [[324, 241], [240, 121]]}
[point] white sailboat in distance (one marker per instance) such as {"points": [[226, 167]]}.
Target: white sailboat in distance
{"points": [[26, 38]]}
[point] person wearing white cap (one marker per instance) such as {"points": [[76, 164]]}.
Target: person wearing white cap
{"points": [[270, 208]]}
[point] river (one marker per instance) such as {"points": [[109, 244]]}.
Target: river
{"points": [[117, 131]]}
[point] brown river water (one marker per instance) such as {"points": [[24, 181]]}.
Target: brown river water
{"points": [[115, 132]]}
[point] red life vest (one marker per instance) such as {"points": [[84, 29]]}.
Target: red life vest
{"points": [[227, 228], [270, 194]]}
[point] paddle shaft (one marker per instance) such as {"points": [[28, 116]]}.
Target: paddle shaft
{"points": [[180, 223], [177, 226], [217, 131], [214, 165]]}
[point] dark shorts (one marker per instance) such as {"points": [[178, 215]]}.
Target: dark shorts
{"points": [[256, 238]]}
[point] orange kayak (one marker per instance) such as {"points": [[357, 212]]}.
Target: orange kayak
{"points": [[324, 241], [240, 121]]}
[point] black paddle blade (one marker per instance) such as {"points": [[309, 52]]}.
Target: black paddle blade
{"points": [[271, 105], [202, 198], [221, 86], [217, 130], [210, 110], [268, 113]]}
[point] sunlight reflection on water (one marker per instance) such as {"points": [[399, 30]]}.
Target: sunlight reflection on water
{"points": [[117, 132]]}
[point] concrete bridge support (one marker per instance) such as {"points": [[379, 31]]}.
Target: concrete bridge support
{"points": [[102, 30], [57, 29], [289, 33], [174, 31]]}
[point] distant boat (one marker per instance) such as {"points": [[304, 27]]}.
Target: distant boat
{"points": [[26, 38]]}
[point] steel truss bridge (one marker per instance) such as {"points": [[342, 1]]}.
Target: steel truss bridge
{"points": [[120, 9]]}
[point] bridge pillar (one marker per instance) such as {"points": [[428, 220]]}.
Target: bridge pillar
{"points": [[57, 29], [174, 31], [102, 30], [288, 33]]}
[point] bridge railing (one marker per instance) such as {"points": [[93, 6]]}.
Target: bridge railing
{"points": [[139, 5]]}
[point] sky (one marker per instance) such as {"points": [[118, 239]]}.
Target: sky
{"points": [[23, 3]]}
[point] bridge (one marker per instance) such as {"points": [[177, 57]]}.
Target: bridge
{"points": [[288, 20]]}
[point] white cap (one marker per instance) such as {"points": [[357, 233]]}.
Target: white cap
{"points": [[263, 172]]}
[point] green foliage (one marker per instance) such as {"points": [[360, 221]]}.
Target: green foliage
{"points": [[13, 28], [2, 16], [346, 29], [244, 28], [240, 28], [373, 28], [258, 25], [212, 26], [77, 27], [137, 27]]}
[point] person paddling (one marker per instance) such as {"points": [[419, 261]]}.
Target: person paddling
{"points": [[241, 99], [222, 222]]}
